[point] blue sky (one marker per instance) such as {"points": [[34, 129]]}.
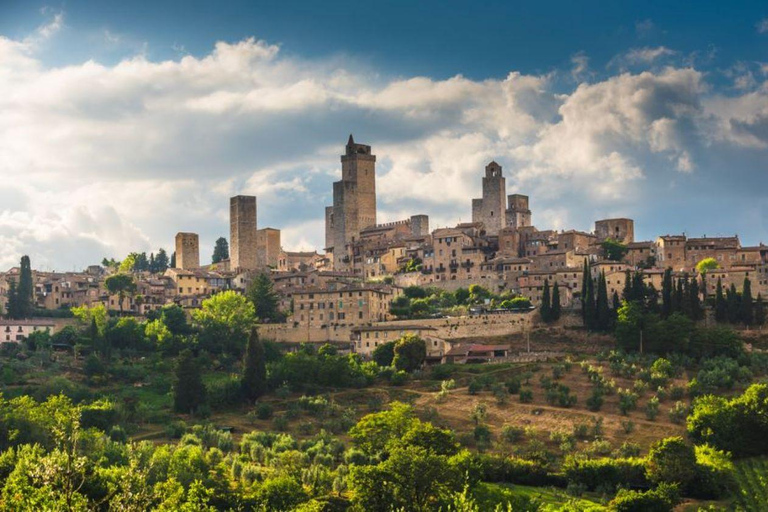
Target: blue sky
{"points": [[125, 122]]}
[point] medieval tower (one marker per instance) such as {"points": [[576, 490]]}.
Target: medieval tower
{"points": [[491, 208], [354, 201], [187, 251], [242, 233], [518, 214]]}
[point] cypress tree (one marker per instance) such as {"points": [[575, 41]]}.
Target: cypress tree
{"points": [[759, 311], [703, 287], [265, 300], [603, 311], [732, 297], [696, 311], [26, 289], [546, 304], [651, 299], [172, 264], [677, 297], [721, 306], [254, 369], [556, 310], [666, 293], [746, 307], [13, 300], [629, 293], [590, 312], [584, 287], [638, 286], [189, 391]]}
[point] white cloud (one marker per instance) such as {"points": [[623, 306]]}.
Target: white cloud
{"points": [[113, 158], [762, 26]]}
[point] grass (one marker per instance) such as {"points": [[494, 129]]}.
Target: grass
{"points": [[552, 498], [752, 477]]}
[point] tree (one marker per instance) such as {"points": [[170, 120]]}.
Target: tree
{"points": [[410, 353], [254, 381], [220, 250], [603, 311], [732, 298], [384, 354], [556, 308], [265, 301], [667, 289], [584, 286], [759, 311], [25, 289], [12, 307], [696, 311], [721, 306], [546, 303], [671, 460], [225, 322], [746, 313], [629, 323], [161, 261], [706, 265], [614, 250], [172, 263], [121, 285], [189, 391], [129, 263]]}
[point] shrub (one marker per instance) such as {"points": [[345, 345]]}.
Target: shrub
{"points": [[662, 499], [511, 434], [526, 396], [263, 411], [628, 426], [627, 401], [513, 386], [594, 473], [595, 401], [652, 408], [678, 413]]}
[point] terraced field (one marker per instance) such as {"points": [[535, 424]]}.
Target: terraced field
{"points": [[752, 476]]}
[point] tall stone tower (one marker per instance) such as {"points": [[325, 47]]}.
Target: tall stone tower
{"points": [[187, 250], [518, 213], [354, 201], [242, 233], [491, 208]]}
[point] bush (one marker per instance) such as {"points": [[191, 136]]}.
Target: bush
{"points": [[263, 411], [595, 401], [662, 499], [594, 473], [652, 408], [501, 469], [526, 396], [678, 413], [511, 434]]}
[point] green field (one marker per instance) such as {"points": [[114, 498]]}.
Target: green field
{"points": [[752, 477]]}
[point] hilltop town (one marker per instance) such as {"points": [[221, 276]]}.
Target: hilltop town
{"points": [[351, 288]]}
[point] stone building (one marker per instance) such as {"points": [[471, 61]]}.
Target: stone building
{"points": [[354, 202], [242, 233], [490, 210], [671, 251], [621, 230], [518, 214], [315, 308], [187, 250], [267, 247]]}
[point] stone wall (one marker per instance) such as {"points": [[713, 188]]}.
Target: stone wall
{"points": [[446, 328], [187, 251]]}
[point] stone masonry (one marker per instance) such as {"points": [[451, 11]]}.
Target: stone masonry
{"points": [[187, 250], [243, 253]]}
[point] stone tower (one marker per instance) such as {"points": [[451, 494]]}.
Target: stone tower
{"points": [[242, 233], [491, 208], [354, 201], [518, 213], [621, 230], [187, 250]]}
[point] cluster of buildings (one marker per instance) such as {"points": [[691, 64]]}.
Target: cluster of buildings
{"points": [[365, 264]]}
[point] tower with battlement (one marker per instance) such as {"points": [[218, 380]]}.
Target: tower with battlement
{"points": [[491, 208], [187, 251], [354, 201]]}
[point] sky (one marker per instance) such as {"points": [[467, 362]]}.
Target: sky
{"points": [[123, 123]]}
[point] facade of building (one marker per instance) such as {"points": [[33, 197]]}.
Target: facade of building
{"points": [[187, 251]]}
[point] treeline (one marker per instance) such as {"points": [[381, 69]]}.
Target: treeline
{"points": [[55, 455], [420, 302]]}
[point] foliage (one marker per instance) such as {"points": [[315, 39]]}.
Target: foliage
{"points": [[254, 382], [410, 352], [384, 354], [614, 250], [225, 322], [261, 293], [707, 264], [188, 390], [663, 498], [220, 250]]}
